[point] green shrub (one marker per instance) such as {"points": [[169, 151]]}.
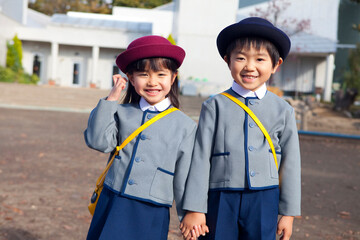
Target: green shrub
{"points": [[8, 75], [14, 54]]}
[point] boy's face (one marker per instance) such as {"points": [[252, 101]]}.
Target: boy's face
{"points": [[251, 68]]}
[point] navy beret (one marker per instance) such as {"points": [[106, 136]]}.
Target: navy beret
{"points": [[254, 27]]}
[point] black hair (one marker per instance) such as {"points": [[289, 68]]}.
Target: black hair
{"points": [[154, 64], [257, 43]]}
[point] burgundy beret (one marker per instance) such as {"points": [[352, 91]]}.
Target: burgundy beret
{"points": [[148, 47]]}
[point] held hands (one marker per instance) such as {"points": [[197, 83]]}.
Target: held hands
{"points": [[119, 85], [193, 225], [284, 227]]}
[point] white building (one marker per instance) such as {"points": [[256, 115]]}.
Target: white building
{"points": [[310, 65], [79, 49]]}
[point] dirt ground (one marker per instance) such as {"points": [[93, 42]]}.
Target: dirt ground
{"points": [[48, 174]]}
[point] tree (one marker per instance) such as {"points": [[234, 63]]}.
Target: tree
{"points": [[272, 13], [352, 77], [14, 54], [356, 26], [50, 7], [140, 3]]}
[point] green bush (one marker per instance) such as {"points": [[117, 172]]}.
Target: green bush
{"points": [[14, 54], [8, 75]]}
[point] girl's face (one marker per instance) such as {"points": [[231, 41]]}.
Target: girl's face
{"points": [[251, 68], [152, 86]]}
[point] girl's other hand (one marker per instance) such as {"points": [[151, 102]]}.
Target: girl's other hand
{"points": [[119, 85]]}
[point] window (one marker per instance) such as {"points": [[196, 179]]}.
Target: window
{"points": [[36, 65], [115, 70], [76, 72]]}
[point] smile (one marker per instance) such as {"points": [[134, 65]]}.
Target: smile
{"points": [[152, 91], [248, 76]]}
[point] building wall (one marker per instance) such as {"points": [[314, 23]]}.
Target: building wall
{"points": [[8, 31], [15, 9], [42, 49], [196, 32], [162, 20], [105, 65]]}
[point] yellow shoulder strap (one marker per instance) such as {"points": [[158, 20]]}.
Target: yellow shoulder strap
{"points": [[257, 121], [131, 137]]}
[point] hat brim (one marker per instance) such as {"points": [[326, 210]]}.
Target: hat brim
{"points": [[272, 34], [150, 51]]}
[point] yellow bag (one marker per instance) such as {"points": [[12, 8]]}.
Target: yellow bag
{"points": [[100, 181]]}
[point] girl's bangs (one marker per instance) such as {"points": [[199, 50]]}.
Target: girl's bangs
{"points": [[154, 64]]}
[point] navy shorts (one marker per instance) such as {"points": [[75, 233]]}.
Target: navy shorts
{"points": [[242, 215]]}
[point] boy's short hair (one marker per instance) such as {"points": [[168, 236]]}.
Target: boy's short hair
{"points": [[254, 27], [245, 43]]}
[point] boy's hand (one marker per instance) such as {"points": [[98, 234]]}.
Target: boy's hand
{"points": [[193, 225], [119, 85], [285, 226]]}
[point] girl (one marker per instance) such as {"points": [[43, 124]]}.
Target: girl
{"points": [[150, 172]]}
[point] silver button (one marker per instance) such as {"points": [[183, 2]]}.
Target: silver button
{"points": [[251, 148], [252, 173], [252, 124], [252, 102], [131, 182], [149, 116], [143, 137], [138, 159]]}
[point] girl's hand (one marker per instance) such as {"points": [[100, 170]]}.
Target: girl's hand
{"points": [[193, 225], [119, 85]]}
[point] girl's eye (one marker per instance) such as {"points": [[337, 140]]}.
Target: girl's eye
{"points": [[162, 74], [240, 58], [260, 59]]}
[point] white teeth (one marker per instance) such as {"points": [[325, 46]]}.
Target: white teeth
{"points": [[251, 77], [152, 91]]}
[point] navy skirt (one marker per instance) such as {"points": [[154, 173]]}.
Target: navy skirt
{"points": [[118, 217]]}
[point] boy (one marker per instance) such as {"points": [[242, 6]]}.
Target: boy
{"points": [[237, 180]]}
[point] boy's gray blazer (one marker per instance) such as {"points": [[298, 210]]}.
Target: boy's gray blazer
{"points": [[231, 152], [154, 166]]}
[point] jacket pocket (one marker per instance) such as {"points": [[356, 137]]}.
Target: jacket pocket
{"points": [[273, 170], [162, 185], [219, 167]]}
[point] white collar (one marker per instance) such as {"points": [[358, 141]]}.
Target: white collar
{"points": [[260, 93], [161, 106]]}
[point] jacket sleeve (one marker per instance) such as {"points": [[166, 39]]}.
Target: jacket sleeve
{"points": [[290, 169], [182, 170], [101, 132], [197, 185]]}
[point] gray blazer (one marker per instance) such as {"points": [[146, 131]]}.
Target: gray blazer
{"points": [[231, 152], [154, 166]]}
